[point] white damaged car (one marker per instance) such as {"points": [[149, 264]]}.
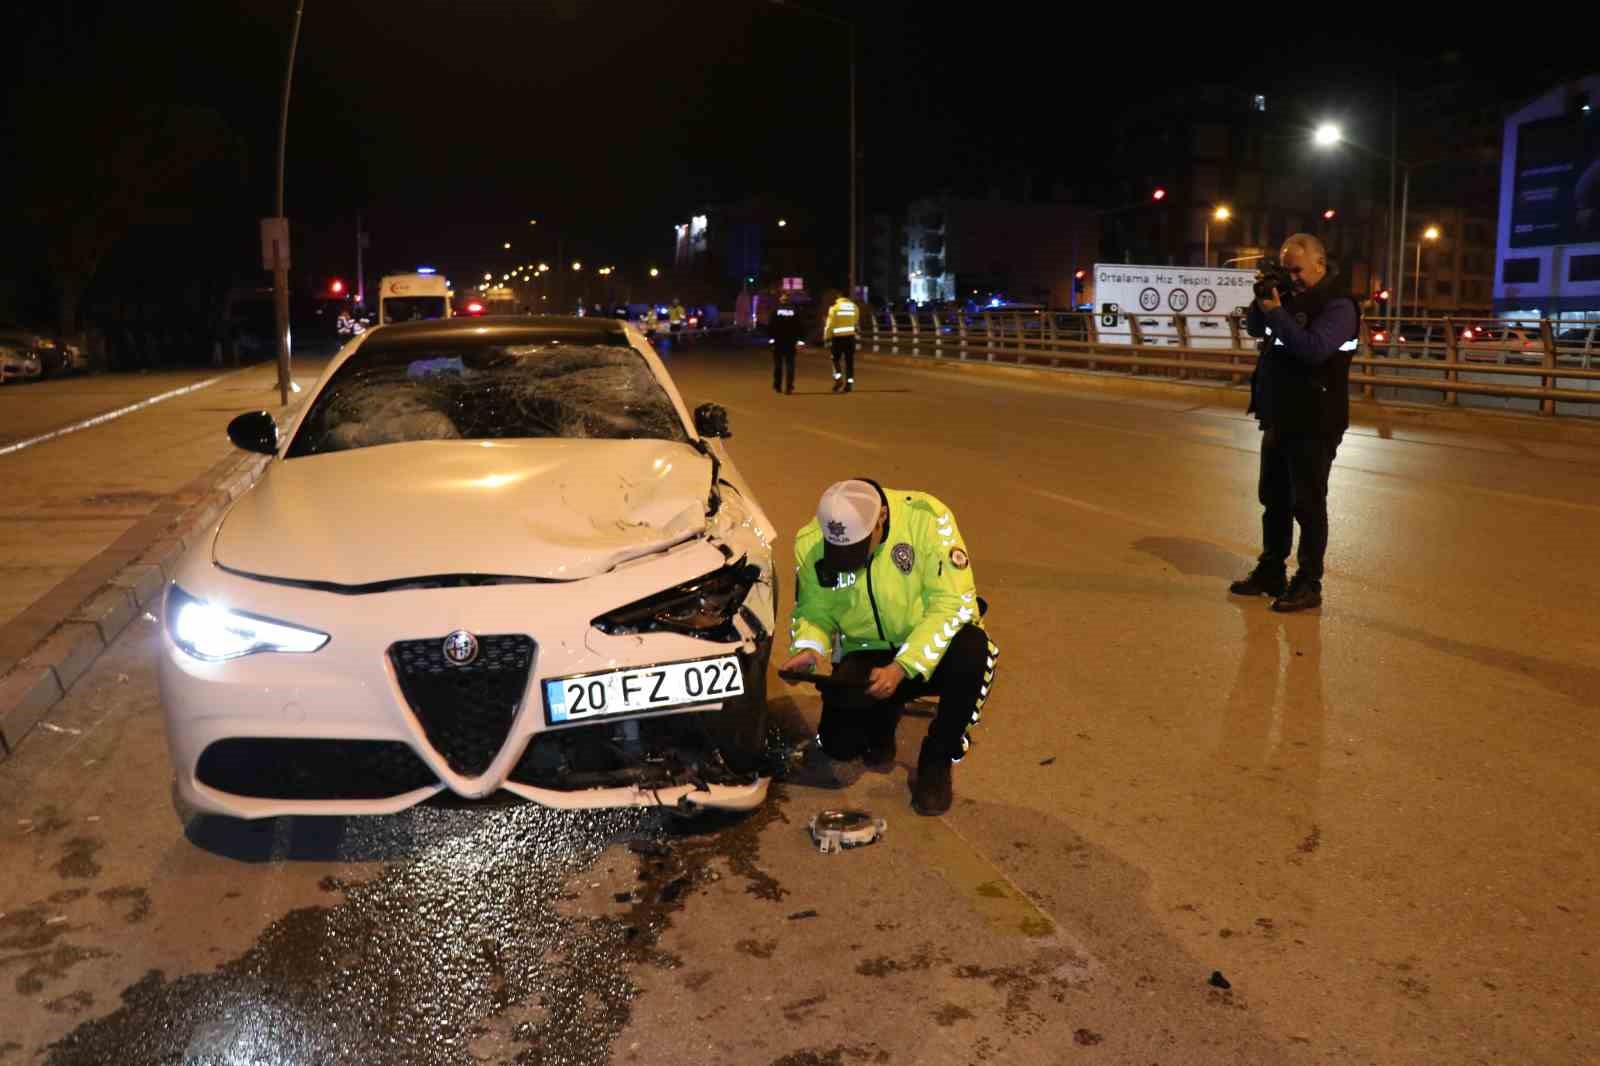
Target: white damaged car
{"points": [[488, 554]]}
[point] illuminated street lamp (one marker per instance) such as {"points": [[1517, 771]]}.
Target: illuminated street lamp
{"points": [[1327, 136], [507, 246], [1429, 234], [1220, 215], [488, 277], [782, 222], [576, 265], [654, 273]]}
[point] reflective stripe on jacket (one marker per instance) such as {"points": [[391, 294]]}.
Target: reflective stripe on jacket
{"points": [[841, 319]]}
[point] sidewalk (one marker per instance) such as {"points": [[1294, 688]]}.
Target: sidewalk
{"points": [[91, 522]]}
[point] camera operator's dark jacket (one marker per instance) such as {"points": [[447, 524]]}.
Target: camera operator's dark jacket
{"points": [[1301, 382]]}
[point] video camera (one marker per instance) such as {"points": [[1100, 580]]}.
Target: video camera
{"points": [[1271, 274]]}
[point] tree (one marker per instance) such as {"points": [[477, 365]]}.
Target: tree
{"points": [[107, 144]]}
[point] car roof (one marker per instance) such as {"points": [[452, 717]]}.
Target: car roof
{"points": [[498, 329]]}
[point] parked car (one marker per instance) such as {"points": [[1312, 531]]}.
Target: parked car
{"points": [[1496, 343], [55, 355], [1579, 341], [490, 554], [17, 364]]}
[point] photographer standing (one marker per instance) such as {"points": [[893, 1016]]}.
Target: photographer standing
{"points": [[1300, 392]]}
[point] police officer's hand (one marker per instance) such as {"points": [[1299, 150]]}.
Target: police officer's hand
{"points": [[807, 660], [882, 682], [1269, 303]]}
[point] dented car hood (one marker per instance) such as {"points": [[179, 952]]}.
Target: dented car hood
{"points": [[553, 509]]}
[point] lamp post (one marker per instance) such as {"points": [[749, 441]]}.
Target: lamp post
{"points": [[1221, 214], [854, 176], [280, 250], [1431, 234], [1329, 135]]}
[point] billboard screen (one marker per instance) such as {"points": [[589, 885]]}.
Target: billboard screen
{"points": [[1556, 199]]}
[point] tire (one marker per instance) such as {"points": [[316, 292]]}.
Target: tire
{"points": [[740, 730]]}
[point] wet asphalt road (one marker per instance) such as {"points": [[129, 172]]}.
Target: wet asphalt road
{"points": [[1376, 822]]}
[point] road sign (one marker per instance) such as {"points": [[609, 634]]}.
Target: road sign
{"points": [[274, 230], [1206, 296]]}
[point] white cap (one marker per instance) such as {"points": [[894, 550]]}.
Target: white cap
{"points": [[848, 513]]}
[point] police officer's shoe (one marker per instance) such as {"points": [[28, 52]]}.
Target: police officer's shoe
{"points": [[1264, 580], [932, 792], [1303, 594], [789, 390], [849, 386], [838, 384]]}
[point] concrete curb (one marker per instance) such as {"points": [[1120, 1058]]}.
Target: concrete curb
{"points": [[44, 676]]}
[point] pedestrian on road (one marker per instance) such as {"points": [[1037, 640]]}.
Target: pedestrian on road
{"points": [[840, 331], [1300, 393], [883, 573], [784, 335]]}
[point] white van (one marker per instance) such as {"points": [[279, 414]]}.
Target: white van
{"points": [[409, 297]]}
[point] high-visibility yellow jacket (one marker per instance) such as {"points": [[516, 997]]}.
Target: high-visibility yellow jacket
{"points": [[841, 320], [675, 313], [914, 595]]}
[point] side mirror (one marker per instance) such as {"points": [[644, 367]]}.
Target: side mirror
{"points": [[711, 420], [254, 432]]}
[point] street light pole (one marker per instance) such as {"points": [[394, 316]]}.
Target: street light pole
{"points": [[1400, 249], [854, 156], [280, 260], [855, 227]]}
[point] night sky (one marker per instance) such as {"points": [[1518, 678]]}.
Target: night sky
{"points": [[451, 124]]}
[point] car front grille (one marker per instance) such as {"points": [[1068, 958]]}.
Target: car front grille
{"points": [[306, 768], [466, 711]]}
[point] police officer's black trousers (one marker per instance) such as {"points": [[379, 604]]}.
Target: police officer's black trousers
{"points": [[782, 367], [962, 680], [1293, 487], [844, 350]]}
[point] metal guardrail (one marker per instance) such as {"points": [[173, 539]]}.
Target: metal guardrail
{"points": [[1479, 359]]}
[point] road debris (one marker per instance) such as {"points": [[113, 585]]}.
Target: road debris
{"points": [[840, 830]]}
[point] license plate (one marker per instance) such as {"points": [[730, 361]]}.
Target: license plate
{"points": [[643, 688]]}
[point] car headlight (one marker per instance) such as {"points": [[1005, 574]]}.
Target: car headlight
{"points": [[704, 607], [215, 633]]}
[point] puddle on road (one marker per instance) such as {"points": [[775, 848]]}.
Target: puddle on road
{"points": [[463, 950]]}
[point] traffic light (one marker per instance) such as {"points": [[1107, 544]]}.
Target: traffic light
{"points": [[1077, 282], [1329, 215], [1381, 298], [1159, 195], [336, 287]]}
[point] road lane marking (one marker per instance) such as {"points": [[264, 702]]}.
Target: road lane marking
{"points": [[854, 442], [90, 423], [981, 884]]}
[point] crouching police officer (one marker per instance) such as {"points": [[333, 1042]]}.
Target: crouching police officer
{"points": [[885, 573]]}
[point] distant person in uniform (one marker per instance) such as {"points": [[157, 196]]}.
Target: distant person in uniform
{"points": [[839, 331], [783, 333]]}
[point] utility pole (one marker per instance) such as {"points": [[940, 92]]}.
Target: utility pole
{"points": [[280, 246]]}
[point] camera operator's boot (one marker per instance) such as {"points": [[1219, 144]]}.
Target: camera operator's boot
{"points": [[1265, 580], [933, 791], [1302, 595]]}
